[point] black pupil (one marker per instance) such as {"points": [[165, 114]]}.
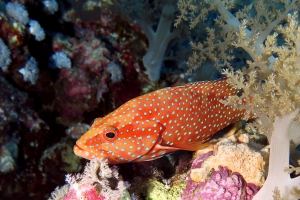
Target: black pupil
{"points": [[110, 135]]}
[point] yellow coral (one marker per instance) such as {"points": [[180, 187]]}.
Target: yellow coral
{"points": [[160, 191]]}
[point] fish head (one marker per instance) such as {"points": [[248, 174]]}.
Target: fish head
{"points": [[119, 142]]}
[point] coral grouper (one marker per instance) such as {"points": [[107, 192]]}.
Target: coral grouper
{"points": [[160, 122]]}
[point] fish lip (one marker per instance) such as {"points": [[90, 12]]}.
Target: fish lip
{"points": [[81, 153], [78, 147]]}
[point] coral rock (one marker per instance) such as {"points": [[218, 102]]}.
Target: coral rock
{"points": [[237, 157]]}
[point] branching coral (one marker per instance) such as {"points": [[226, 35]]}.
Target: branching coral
{"points": [[269, 33], [94, 184]]}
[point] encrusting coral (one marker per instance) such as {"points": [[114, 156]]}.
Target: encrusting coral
{"points": [[220, 184], [160, 191], [237, 157], [229, 169]]}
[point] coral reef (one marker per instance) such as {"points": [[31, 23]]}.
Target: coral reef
{"points": [[54, 78], [82, 84], [16, 112], [65, 63]]}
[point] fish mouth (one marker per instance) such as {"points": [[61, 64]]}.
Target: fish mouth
{"points": [[88, 155], [83, 153], [77, 149]]}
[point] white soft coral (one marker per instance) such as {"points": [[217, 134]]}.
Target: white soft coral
{"points": [[279, 160], [30, 71]]}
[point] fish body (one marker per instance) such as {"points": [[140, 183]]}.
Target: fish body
{"points": [[160, 122]]}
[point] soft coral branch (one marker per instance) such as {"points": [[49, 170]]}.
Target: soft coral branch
{"points": [[269, 33], [158, 42], [279, 160]]}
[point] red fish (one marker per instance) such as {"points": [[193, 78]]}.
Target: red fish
{"points": [[160, 122]]}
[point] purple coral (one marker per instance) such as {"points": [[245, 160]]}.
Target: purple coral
{"points": [[200, 159], [221, 184], [251, 190]]}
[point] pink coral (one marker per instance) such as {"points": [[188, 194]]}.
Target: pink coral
{"points": [[93, 184], [87, 192]]}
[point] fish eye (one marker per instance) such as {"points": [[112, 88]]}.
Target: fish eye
{"points": [[110, 135]]}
